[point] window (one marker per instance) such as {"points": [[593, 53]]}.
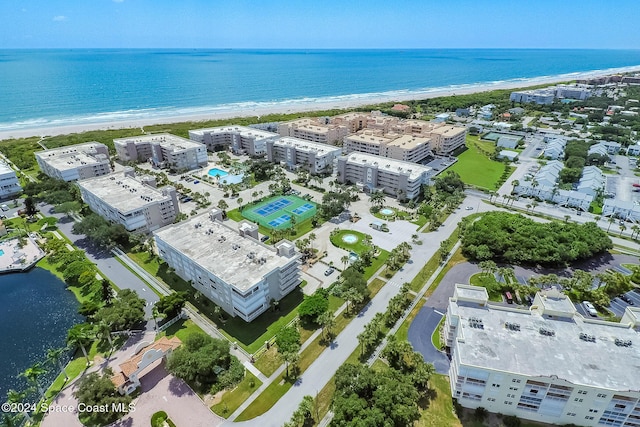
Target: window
{"points": [[577, 400], [602, 395], [582, 392], [571, 414], [515, 380], [495, 385], [588, 417], [595, 411]]}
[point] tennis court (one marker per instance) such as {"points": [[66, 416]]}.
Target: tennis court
{"points": [[277, 211]]}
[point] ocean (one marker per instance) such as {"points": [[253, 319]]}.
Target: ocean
{"points": [[45, 88]]}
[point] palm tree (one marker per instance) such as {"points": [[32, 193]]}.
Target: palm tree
{"points": [[345, 260], [514, 183], [79, 335], [634, 230], [311, 238], [567, 218], [528, 207], [611, 220], [327, 321], [622, 228], [14, 396], [377, 198], [254, 195], [239, 200], [534, 205], [103, 330], [54, 355], [32, 374]]}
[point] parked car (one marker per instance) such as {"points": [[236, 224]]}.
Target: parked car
{"points": [[468, 208], [590, 308], [264, 238], [4, 207], [626, 299], [329, 271], [196, 181]]}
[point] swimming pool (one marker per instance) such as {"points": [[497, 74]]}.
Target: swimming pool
{"points": [[387, 211], [217, 172], [1, 252]]}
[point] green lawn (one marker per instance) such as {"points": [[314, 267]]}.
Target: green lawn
{"points": [[181, 329], [232, 400], [440, 411], [358, 246], [267, 399], [475, 168], [376, 264], [488, 282], [435, 337]]}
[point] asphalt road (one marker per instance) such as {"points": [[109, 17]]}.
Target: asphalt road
{"points": [[420, 333], [106, 262]]}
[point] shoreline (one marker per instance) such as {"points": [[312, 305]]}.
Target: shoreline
{"points": [[299, 105]]}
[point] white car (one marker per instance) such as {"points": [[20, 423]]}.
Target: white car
{"points": [[590, 308]]}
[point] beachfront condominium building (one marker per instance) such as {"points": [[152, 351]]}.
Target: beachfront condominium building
{"points": [[443, 139], [317, 158], [9, 184], [132, 201], [162, 150], [536, 96], [75, 162], [546, 363], [375, 173], [241, 139], [230, 267], [318, 129], [407, 148]]}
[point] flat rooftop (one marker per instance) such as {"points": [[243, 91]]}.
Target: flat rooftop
{"points": [[308, 146], [72, 156], [245, 130], [386, 164], [222, 251], [448, 131], [166, 140], [123, 193], [368, 137], [4, 167], [408, 142], [561, 351]]}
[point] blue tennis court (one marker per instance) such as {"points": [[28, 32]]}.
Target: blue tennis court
{"points": [[280, 220], [302, 209], [272, 207]]}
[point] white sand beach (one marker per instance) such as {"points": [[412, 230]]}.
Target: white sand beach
{"points": [[302, 106]]}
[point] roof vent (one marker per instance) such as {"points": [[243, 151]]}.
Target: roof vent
{"points": [[623, 343], [512, 326], [587, 337], [475, 322], [547, 332]]}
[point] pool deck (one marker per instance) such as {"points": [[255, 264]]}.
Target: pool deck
{"points": [[16, 258]]}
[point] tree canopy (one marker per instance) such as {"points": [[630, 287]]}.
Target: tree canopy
{"points": [[95, 389], [333, 203], [313, 306], [205, 363], [124, 312], [515, 239], [170, 305], [101, 231]]}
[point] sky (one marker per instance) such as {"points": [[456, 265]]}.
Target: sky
{"points": [[320, 24]]}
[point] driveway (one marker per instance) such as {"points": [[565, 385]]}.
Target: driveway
{"points": [[106, 262], [420, 333], [164, 392]]}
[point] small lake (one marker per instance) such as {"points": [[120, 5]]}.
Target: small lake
{"points": [[36, 313]]}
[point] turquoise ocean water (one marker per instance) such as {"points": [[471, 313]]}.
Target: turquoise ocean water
{"points": [[65, 87]]}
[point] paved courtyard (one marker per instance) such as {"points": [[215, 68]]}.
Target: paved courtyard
{"points": [[15, 256]]}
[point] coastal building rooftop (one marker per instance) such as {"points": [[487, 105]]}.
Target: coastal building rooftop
{"points": [[307, 146], [369, 137], [239, 261], [124, 192], [72, 156], [249, 131], [414, 170], [165, 140], [4, 167], [408, 142], [548, 340]]}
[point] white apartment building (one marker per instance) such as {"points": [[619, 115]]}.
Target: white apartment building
{"points": [[75, 162], [374, 173], [241, 139], [9, 184], [162, 150], [536, 96], [445, 139], [135, 203], [293, 152], [322, 130], [548, 363], [230, 267]]}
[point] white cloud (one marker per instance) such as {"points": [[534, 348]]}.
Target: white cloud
{"points": [[59, 18]]}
